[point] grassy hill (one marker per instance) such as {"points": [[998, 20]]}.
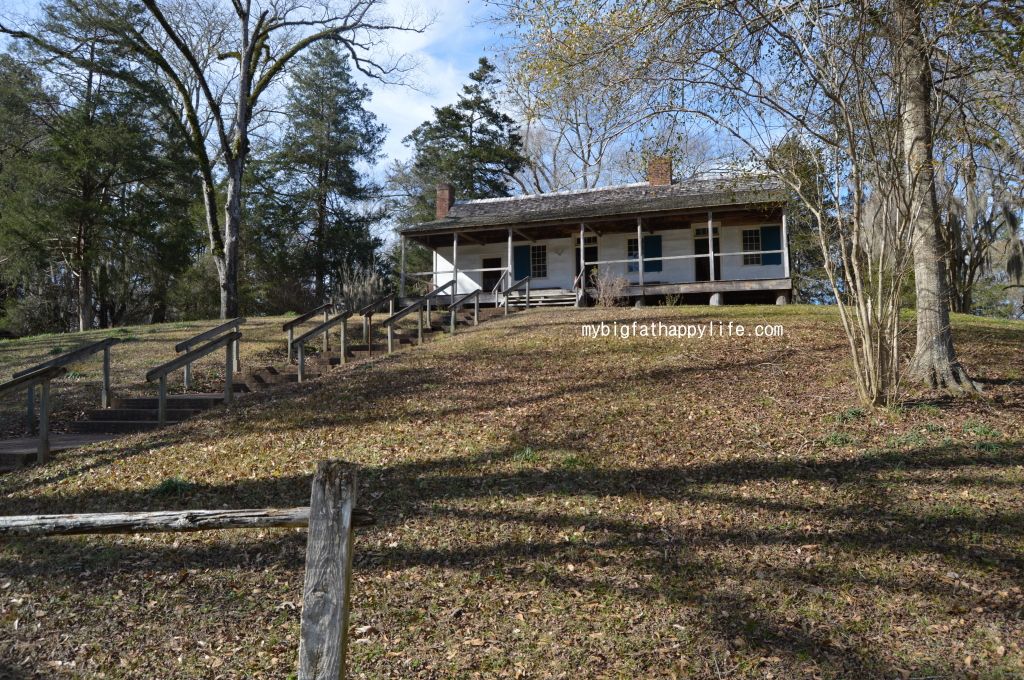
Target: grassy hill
{"points": [[556, 506]]}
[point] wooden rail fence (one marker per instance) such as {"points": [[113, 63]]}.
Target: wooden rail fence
{"points": [[331, 518]]}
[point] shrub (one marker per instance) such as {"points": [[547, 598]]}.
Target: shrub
{"points": [[611, 288]]}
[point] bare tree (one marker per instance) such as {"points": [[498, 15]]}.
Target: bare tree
{"points": [[853, 81], [211, 63]]}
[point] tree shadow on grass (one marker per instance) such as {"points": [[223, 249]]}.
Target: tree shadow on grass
{"points": [[703, 570]]}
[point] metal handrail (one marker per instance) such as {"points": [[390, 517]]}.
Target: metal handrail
{"points": [[69, 358], [290, 325], [28, 381], [160, 372], [186, 345], [300, 341]]}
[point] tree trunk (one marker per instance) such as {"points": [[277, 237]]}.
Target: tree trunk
{"points": [[85, 311], [227, 264], [934, 363]]}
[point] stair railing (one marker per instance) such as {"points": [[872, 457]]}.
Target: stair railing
{"points": [[27, 382], [367, 314], [423, 302], [186, 345], [518, 285], [303, 318], [300, 342], [70, 358], [454, 307], [161, 371]]}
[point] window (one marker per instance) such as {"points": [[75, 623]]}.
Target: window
{"points": [[587, 240], [702, 232], [539, 262], [652, 248], [752, 242]]}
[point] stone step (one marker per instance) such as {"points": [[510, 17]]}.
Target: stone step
{"points": [[199, 402], [117, 414], [118, 426]]}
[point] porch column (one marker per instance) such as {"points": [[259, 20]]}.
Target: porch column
{"points": [[509, 258], [716, 298], [640, 255], [401, 281], [785, 245], [583, 259], [455, 263]]}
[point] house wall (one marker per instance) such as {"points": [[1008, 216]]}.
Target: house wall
{"points": [[562, 253]]}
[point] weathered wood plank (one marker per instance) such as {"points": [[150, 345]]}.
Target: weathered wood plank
{"points": [[150, 522], [206, 335], [325, 606]]}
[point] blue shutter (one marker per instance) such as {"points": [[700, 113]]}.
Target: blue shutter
{"points": [[771, 239], [520, 262], [652, 248]]}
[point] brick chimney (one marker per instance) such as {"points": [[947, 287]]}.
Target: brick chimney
{"points": [[660, 172], [445, 200]]}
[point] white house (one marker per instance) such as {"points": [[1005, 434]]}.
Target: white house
{"points": [[655, 234]]}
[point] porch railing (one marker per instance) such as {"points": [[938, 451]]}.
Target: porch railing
{"points": [[27, 382], [70, 358]]}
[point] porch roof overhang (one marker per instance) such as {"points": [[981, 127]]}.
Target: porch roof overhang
{"points": [[608, 210]]}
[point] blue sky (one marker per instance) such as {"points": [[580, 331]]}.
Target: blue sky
{"points": [[448, 51]]}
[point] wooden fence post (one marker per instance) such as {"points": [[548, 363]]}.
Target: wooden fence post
{"points": [[325, 598], [238, 351], [419, 327], [291, 336], [327, 335], [302, 362], [476, 309]]}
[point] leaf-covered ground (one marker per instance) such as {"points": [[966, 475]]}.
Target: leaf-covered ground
{"points": [[552, 506]]}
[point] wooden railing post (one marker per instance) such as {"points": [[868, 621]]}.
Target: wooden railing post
{"points": [[344, 342], [238, 352], [188, 376], [323, 632], [419, 327], [369, 335], [162, 405], [429, 323], [327, 335], [43, 452], [391, 338], [105, 396], [302, 362], [476, 309], [527, 293], [31, 411], [453, 312], [366, 330], [229, 360], [291, 336]]}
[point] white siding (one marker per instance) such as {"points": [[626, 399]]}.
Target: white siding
{"points": [[562, 254]]}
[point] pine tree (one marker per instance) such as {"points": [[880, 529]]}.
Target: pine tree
{"points": [[470, 144], [330, 135]]}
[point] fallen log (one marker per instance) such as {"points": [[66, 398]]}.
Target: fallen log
{"points": [[148, 522]]}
